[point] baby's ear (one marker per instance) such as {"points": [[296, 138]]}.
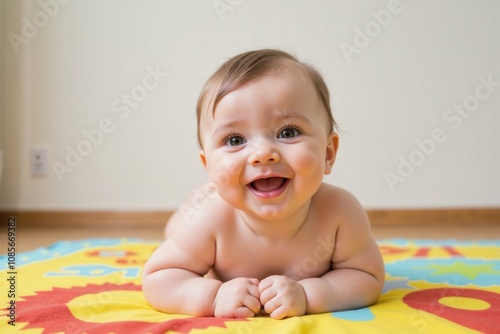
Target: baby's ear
{"points": [[332, 146], [203, 159]]}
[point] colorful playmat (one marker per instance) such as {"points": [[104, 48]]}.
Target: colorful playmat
{"points": [[94, 286]]}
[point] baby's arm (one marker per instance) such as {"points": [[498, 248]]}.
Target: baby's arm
{"points": [[358, 269], [173, 279], [174, 282]]}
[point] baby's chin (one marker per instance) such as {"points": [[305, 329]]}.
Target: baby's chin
{"points": [[270, 213]]}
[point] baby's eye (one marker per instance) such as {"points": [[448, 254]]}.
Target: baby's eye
{"points": [[288, 133], [235, 141]]}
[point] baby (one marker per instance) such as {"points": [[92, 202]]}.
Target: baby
{"points": [[270, 237]]}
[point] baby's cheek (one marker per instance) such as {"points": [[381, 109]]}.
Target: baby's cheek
{"points": [[225, 173], [309, 163]]}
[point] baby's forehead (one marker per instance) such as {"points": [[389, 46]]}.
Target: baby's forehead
{"points": [[242, 71], [285, 99], [289, 84]]}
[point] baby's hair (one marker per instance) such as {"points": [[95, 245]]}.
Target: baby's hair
{"points": [[251, 65]]}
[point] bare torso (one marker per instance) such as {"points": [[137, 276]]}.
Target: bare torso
{"points": [[320, 259], [240, 252]]}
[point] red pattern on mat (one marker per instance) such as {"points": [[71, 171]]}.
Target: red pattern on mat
{"points": [[482, 320], [34, 310]]}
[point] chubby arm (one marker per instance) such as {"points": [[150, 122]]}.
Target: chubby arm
{"points": [[357, 274], [173, 279]]}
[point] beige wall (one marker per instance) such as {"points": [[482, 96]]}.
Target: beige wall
{"points": [[69, 65]]}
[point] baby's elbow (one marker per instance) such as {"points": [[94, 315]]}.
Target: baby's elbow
{"points": [[373, 297], [150, 290], [374, 293], [156, 292], [368, 297]]}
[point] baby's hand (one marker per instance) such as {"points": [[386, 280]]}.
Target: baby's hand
{"points": [[282, 297], [238, 298]]}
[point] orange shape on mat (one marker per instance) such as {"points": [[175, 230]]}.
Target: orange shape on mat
{"points": [[34, 309]]}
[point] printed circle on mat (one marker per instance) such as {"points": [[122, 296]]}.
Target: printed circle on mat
{"points": [[465, 303]]}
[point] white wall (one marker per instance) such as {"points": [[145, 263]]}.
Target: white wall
{"points": [[67, 64]]}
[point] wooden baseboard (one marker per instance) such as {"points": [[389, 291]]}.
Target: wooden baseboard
{"points": [[466, 216], [94, 219], [154, 219]]}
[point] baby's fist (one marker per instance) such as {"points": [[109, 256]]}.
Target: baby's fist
{"points": [[238, 298], [282, 297]]}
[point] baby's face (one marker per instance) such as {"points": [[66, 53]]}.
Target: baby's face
{"points": [[267, 146]]}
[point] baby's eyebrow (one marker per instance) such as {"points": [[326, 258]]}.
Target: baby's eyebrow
{"points": [[229, 125], [289, 115]]}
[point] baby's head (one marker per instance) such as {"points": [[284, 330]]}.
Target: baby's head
{"points": [[246, 67]]}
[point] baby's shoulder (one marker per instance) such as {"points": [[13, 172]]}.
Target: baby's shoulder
{"points": [[336, 202], [207, 215], [334, 196]]}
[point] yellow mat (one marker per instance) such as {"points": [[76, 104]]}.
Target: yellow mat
{"points": [[94, 286]]}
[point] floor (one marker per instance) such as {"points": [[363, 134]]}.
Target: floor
{"points": [[32, 238]]}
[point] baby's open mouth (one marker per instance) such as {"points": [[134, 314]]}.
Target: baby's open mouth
{"points": [[268, 184], [269, 187]]}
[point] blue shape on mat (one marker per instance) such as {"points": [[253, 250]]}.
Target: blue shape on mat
{"points": [[452, 271], [63, 248], [390, 285], [363, 314], [95, 270]]}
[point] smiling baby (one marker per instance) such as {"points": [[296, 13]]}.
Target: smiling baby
{"points": [[271, 237]]}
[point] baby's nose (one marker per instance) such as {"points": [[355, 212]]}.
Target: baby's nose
{"points": [[263, 154]]}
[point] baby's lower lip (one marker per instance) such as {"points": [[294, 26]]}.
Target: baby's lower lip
{"points": [[271, 193]]}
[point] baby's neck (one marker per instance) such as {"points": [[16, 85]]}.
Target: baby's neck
{"points": [[277, 230]]}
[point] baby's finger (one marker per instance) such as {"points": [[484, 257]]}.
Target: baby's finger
{"points": [[254, 291], [254, 281], [267, 295], [279, 313], [271, 305], [252, 303], [243, 312], [266, 283]]}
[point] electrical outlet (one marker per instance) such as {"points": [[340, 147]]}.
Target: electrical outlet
{"points": [[39, 160]]}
